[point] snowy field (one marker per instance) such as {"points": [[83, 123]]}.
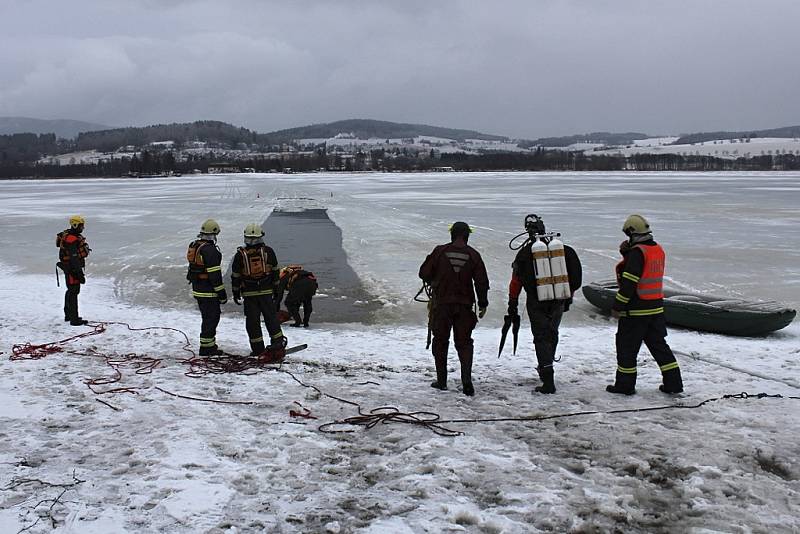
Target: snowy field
{"points": [[144, 460], [722, 148]]}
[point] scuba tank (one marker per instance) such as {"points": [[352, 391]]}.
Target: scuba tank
{"points": [[558, 269], [541, 267]]}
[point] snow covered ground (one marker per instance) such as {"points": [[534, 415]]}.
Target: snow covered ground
{"points": [[723, 148], [170, 464]]}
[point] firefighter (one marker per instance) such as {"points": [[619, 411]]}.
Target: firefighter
{"points": [[451, 270], [639, 305], [72, 253], [545, 315], [253, 277], [301, 286], [205, 275]]}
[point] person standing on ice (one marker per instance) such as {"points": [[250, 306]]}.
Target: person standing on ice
{"points": [[72, 253], [545, 315], [450, 271], [639, 305], [205, 275], [254, 276]]}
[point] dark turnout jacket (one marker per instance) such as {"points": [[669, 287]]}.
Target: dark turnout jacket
{"points": [[205, 273], [451, 270]]}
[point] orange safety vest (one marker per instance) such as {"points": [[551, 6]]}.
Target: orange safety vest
{"points": [[254, 263], [651, 283]]}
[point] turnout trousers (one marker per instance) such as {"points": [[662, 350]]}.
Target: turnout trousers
{"points": [[255, 308], [210, 313], [545, 319], [293, 308], [461, 319], [71, 302], [652, 330]]}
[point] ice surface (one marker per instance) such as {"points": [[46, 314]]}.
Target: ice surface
{"points": [[724, 232], [163, 464]]}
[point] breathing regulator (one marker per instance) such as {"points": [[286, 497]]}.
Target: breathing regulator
{"points": [[534, 230]]}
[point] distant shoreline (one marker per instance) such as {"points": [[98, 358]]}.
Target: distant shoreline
{"points": [[444, 174]]}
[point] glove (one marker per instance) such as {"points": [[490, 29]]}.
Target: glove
{"points": [[481, 312], [237, 299], [513, 307], [81, 277], [223, 296], [624, 247]]}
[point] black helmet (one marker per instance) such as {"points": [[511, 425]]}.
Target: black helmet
{"points": [[460, 229], [534, 224]]}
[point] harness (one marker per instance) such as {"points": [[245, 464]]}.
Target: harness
{"points": [[290, 273], [197, 267], [254, 263], [63, 250]]}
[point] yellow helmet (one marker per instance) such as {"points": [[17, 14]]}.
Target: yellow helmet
{"points": [[209, 227], [76, 220], [253, 230], [636, 224]]}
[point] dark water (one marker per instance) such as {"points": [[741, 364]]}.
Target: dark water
{"points": [[310, 238]]}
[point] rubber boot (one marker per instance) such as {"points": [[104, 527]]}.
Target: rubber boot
{"points": [[466, 382], [210, 351], [625, 384], [256, 349], [673, 383], [441, 378], [548, 383]]}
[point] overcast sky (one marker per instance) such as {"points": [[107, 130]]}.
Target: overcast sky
{"points": [[524, 68]]}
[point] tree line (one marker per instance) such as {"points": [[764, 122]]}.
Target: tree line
{"points": [[25, 147], [149, 163]]}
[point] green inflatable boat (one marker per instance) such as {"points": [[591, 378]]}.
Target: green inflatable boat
{"points": [[698, 311]]}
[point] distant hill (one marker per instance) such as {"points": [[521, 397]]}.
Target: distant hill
{"points": [[786, 131], [63, 128], [205, 131], [367, 128], [606, 138]]}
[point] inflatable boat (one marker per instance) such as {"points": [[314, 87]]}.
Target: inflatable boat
{"points": [[698, 311]]}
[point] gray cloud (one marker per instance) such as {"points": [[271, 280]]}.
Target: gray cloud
{"points": [[524, 68]]}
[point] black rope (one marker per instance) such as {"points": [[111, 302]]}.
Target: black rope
{"points": [[434, 422], [428, 292]]}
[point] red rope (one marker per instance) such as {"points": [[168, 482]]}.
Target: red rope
{"points": [[142, 364], [29, 351]]}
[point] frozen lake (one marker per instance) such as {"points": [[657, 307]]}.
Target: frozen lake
{"points": [[724, 232], [154, 462]]}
